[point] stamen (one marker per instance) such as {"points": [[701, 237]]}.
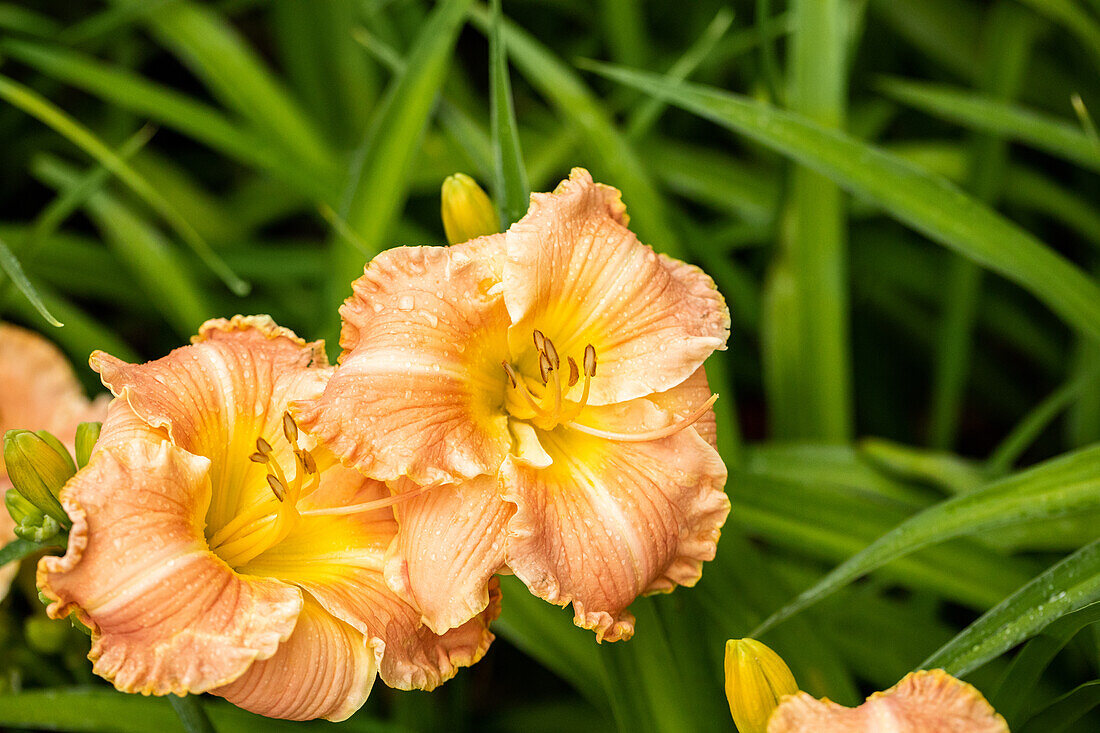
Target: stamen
{"points": [[370, 505], [263, 447], [277, 487], [258, 458], [308, 462], [540, 340], [574, 373], [650, 434], [545, 367], [552, 353], [290, 428], [511, 373], [590, 360]]}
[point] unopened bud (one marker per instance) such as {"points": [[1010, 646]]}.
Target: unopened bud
{"points": [[87, 435], [756, 680], [21, 510], [38, 468], [467, 210]]}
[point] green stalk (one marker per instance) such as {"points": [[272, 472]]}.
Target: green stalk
{"points": [[1010, 32], [810, 394], [190, 712]]}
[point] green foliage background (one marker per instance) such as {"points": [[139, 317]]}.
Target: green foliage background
{"points": [[898, 198]]}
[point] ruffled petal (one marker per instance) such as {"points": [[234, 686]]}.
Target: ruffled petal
{"points": [[683, 399], [167, 615], [324, 670], [575, 272], [608, 521], [217, 396], [338, 560], [923, 701], [450, 543], [420, 385]]}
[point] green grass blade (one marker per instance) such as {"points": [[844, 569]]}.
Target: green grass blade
{"points": [[1034, 423], [1058, 488], [511, 187], [24, 20], [811, 395], [925, 202], [11, 267], [168, 107], [1074, 18], [1065, 711], [234, 72], [379, 178], [646, 113], [1061, 138], [39, 108], [1067, 586], [618, 164], [1028, 665], [81, 335]]}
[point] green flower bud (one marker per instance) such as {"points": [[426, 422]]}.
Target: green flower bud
{"points": [[21, 510], [38, 470], [87, 434], [45, 635], [42, 532], [467, 211], [756, 680]]}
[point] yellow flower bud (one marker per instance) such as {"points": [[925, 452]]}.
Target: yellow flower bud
{"points": [[37, 469], [756, 679], [467, 210]]}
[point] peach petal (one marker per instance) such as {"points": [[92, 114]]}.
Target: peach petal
{"points": [[684, 398], [167, 615], [338, 560], [41, 392], [324, 670], [575, 272], [450, 542], [923, 701], [217, 396], [420, 384], [609, 521]]}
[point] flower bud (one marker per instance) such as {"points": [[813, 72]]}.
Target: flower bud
{"points": [[467, 210], [38, 468], [21, 510], [87, 434], [756, 679]]}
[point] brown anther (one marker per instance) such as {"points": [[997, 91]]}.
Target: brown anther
{"points": [[258, 458], [540, 340], [590, 361], [574, 373], [510, 372], [308, 462], [263, 447], [545, 367], [277, 487], [552, 353], [290, 428]]}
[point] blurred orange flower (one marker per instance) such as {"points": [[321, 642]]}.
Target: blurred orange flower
{"points": [[547, 384], [39, 392], [216, 549]]}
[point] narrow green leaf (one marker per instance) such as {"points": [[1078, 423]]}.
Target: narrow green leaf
{"points": [[24, 20], [11, 267], [17, 550], [190, 713], [619, 164], [928, 203], [1073, 17], [1065, 711], [36, 106], [1035, 422], [1058, 488], [81, 335], [513, 192], [1028, 665], [1067, 586], [1053, 135], [378, 185]]}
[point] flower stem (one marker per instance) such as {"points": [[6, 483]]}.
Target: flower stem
{"points": [[191, 714]]}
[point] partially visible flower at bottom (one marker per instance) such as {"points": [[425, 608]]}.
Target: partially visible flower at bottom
{"points": [[764, 698], [215, 548], [38, 391]]}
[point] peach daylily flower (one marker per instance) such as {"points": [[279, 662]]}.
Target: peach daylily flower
{"points": [[38, 391], [214, 549], [929, 700], [546, 384]]}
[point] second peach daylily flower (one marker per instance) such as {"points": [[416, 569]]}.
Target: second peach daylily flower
{"points": [[216, 549], [540, 399], [38, 391]]}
